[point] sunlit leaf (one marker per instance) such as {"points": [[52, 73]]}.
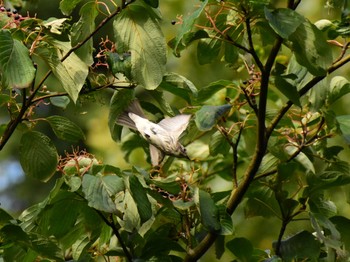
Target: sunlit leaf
{"points": [[187, 25], [137, 31], [60, 101], [100, 191], [82, 29], [207, 116], [339, 86], [15, 64], [71, 73], [65, 129], [38, 155], [344, 125], [179, 86]]}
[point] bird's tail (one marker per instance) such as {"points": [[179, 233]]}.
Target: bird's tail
{"points": [[124, 119]]}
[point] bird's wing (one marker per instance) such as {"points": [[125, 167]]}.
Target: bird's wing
{"points": [[124, 118], [175, 125], [156, 155]]}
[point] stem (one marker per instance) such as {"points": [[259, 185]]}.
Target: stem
{"points": [[116, 233], [280, 236]]}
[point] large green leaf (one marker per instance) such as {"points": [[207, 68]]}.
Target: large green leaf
{"points": [[207, 116], [208, 91], [344, 125], [343, 226], [180, 86], [67, 6], [241, 247], [38, 155], [301, 245], [140, 197], [187, 26], [65, 129], [15, 64], [82, 29], [308, 42], [218, 144], [119, 102], [339, 86], [288, 89], [137, 31], [208, 50], [100, 191], [71, 73], [208, 210], [284, 21]]}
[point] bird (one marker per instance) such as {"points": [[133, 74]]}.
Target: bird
{"points": [[163, 137]]}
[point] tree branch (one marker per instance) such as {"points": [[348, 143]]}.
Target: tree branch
{"points": [[116, 233], [302, 92]]}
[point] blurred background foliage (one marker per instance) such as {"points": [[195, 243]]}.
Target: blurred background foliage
{"points": [[17, 191]]}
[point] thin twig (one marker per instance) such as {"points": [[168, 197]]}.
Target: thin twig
{"points": [[117, 234]]}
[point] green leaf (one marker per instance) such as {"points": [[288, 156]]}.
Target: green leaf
{"points": [[208, 50], [325, 180], [119, 63], [339, 86], [38, 155], [311, 48], [182, 205], [208, 91], [16, 65], [344, 125], [301, 158], [67, 6], [139, 195], [343, 226], [152, 3], [60, 101], [284, 21], [71, 73], [180, 86], [187, 26], [288, 89], [218, 144], [137, 31], [241, 247], [4, 217], [207, 116], [65, 129], [100, 191], [82, 29], [301, 245], [208, 210], [308, 42], [119, 102], [261, 202]]}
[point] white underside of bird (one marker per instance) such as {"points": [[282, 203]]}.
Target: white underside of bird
{"points": [[163, 137]]}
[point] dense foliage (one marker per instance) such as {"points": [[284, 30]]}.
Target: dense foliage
{"points": [[269, 135]]}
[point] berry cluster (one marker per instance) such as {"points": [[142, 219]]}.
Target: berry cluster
{"points": [[11, 13]]}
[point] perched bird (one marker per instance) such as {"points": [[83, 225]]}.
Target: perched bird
{"points": [[162, 137]]}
